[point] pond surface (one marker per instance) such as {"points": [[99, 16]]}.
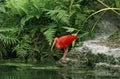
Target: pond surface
{"points": [[15, 72]]}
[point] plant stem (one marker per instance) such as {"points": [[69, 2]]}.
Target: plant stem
{"points": [[108, 7], [104, 9], [101, 10], [97, 21], [70, 6]]}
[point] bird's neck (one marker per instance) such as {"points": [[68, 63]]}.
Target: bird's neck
{"points": [[56, 40], [58, 43]]}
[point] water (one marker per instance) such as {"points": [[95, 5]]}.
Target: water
{"points": [[13, 72]]}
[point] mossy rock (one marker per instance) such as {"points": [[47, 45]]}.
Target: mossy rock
{"points": [[78, 59]]}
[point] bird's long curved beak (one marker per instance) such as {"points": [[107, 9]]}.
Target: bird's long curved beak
{"points": [[53, 45]]}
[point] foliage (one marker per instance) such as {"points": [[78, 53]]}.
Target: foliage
{"points": [[24, 48], [27, 27], [49, 32], [18, 64], [7, 36]]}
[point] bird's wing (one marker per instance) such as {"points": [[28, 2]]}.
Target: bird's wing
{"points": [[67, 40]]}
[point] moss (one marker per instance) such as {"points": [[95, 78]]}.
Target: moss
{"points": [[47, 67], [88, 59], [93, 59], [17, 64]]}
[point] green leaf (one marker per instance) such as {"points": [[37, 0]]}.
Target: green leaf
{"points": [[70, 29], [59, 15], [8, 39], [49, 32], [2, 8], [8, 29], [117, 2], [25, 19]]}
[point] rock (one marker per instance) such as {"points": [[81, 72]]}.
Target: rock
{"points": [[97, 48], [85, 57], [67, 62], [107, 66], [93, 51]]}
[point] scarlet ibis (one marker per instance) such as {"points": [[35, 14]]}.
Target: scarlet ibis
{"points": [[63, 42]]}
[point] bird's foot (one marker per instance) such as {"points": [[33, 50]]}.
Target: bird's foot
{"points": [[62, 59], [65, 60]]}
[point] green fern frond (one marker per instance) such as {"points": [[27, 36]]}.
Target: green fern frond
{"points": [[8, 39], [25, 19], [2, 8], [24, 47], [17, 5], [26, 39], [38, 7], [59, 15], [8, 30], [117, 3], [49, 32], [28, 7], [39, 3], [21, 52], [70, 29], [63, 16], [7, 35]]}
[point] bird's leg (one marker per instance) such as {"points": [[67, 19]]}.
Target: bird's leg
{"points": [[65, 53]]}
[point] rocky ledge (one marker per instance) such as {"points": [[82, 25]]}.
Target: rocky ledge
{"points": [[86, 56], [99, 49], [93, 53]]}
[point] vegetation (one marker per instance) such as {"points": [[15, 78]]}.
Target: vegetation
{"points": [[27, 27]]}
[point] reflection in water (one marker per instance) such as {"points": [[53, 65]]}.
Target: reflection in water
{"points": [[11, 72]]}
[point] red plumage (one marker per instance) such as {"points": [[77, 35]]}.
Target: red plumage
{"points": [[64, 41]]}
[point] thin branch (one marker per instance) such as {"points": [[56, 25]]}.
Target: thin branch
{"points": [[97, 21], [108, 7], [101, 10]]}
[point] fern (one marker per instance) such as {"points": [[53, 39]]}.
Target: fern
{"points": [[17, 5], [8, 39], [28, 7], [38, 7], [117, 3], [24, 47], [70, 29], [59, 15], [7, 35], [49, 32], [25, 19], [2, 30]]}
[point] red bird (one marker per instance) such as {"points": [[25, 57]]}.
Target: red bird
{"points": [[63, 42]]}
